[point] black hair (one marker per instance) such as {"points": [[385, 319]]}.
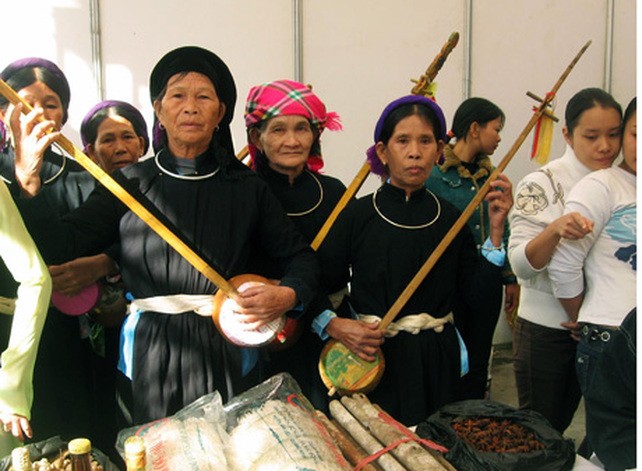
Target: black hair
{"points": [[404, 111], [30, 75], [630, 111], [89, 128], [583, 101], [474, 110]]}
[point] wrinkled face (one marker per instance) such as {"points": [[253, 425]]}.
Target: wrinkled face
{"points": [[411, 153], [39, 95], [629, 145], [596, 139], [116, 145], [190, 111], [489, 137], [286, 142]]}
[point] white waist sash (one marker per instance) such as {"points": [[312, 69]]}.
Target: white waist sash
{"points": [[413, 323], [201, 304]]}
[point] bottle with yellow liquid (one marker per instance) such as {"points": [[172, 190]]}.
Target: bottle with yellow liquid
{"points": [[135, 458], [80, 454]]}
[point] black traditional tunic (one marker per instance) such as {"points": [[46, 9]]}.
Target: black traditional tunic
{"points": [[221, 212], [422, 371], [62, 375], [308, 201]]}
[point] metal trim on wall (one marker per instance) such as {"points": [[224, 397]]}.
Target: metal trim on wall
{"points": [[298, 40], [468, 27], [608, 49], [96, 52]]}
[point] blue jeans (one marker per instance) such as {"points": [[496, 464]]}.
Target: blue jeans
{"points": [[593, 339]]}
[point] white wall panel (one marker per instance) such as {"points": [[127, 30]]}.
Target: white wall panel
{"points": [[360, 55]]}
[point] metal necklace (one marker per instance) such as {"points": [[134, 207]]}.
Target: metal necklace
{"points": [[403, 226], [318, 203], [183, 177], [55, 175]]}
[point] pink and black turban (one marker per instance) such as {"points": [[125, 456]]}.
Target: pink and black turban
{"points": [[287, 98]]}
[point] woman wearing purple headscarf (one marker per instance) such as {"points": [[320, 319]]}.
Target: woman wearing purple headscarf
{"points": [[114, 134], [220, 208], [61, 395], [385, 238]]}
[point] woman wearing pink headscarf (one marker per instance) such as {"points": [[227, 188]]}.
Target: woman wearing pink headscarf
{"points": [[285, 120]]}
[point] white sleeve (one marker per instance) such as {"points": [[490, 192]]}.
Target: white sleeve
{"points": [[592, 199], [535, 208], [23, 260]]}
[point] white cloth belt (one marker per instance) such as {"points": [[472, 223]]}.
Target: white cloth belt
{"points": [[7, 305], [413, 323], [201, 304], [337, 298]]}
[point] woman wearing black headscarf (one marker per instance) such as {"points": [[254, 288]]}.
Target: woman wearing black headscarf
{"points": [[219, 208]]}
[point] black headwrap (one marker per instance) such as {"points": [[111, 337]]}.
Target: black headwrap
{"points": [[197, 59]]}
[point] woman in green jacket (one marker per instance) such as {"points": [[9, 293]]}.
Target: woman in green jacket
{"points": [[463, 170]]}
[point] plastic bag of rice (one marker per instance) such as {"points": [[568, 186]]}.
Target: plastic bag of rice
{"points": [[194, 438], [271, 427]]}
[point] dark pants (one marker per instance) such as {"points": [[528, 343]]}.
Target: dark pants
{"points": [[544, 362], [477, 325]]}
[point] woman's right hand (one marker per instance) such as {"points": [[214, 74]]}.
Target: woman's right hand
{"points": [[31, 137], [572, 226], [17, 425], [361, 338]]}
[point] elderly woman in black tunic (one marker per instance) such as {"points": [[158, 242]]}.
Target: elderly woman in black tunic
{"points": [[285, 120], [220, 209], [61, 403], [385, 238]]}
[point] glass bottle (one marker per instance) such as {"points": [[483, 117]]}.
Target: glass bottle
{"points": [[135, 458], [20, 459], [80, 454]]}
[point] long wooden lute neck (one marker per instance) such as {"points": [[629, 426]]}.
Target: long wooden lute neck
{"points": [[134, 205], [421, 88], [403, 298]]}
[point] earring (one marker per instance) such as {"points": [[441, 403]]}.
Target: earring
{"points": [[160, 125]]}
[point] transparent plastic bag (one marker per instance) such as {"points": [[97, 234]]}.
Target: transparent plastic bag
{"points": [[272, 427], [194, 438]]}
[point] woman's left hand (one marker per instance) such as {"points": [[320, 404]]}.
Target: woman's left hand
{"points": [[261, 304], [511, 298], [72, 277], [500, 201], [17, 425]]}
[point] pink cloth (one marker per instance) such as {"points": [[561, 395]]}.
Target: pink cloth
{"points": [[286, 98]]}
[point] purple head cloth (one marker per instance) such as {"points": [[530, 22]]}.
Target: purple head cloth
{"points": [[60, 85], [88, 129], [376, 166]]}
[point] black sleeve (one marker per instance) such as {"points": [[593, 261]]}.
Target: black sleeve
{"points": [[89, 229], [286, 245]]}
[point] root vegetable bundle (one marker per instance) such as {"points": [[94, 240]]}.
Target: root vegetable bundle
{"points": [[378, 434]]}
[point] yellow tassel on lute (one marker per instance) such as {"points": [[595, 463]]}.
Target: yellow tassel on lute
{"points": [[542, 140]]}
